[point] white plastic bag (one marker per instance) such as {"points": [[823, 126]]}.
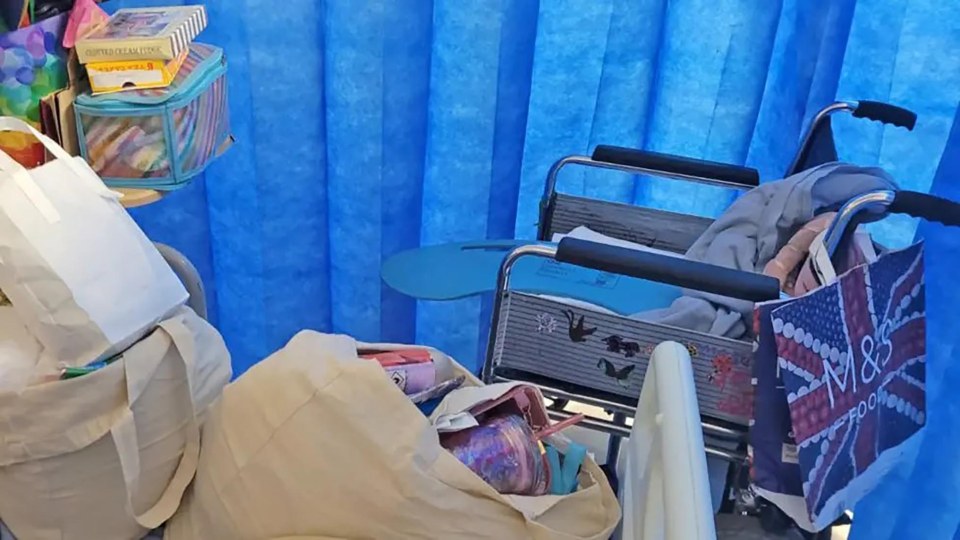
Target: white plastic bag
{"points": [[80, 273]]}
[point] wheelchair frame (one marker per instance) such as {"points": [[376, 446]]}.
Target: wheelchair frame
{"points": [[521, 334]]}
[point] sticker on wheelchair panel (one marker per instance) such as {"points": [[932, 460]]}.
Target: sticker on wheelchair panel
{"points": [[580, 276]]}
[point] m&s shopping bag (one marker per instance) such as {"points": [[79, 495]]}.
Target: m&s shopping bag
{"points": [[774, 467], [852, 359]]}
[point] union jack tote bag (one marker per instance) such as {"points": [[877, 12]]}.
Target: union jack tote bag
{"points": [[851, 358], [774, 466]]}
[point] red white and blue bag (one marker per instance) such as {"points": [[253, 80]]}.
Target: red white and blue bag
{"points": [[775, 469], [850, 368]]}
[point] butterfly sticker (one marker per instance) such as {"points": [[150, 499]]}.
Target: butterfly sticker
{"points": [[621, 375]]}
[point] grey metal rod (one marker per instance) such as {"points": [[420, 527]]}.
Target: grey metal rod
{"points": [[605, 426], [874, 201], [189, 277], [821, 117], [503, 285], [553, 393], [551, 184], [613, 445]]}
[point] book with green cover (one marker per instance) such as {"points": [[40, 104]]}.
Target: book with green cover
{"points": [[143, 34]]}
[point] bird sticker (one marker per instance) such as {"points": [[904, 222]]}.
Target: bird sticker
{"points": [[618, 345], [621, 375], [578, 334]]}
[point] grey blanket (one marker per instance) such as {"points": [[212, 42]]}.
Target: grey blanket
{"points": [[751, 232]]}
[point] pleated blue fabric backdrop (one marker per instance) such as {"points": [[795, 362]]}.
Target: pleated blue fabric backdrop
{"points": [[368, 127]]}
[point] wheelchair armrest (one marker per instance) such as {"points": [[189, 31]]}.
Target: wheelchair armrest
{"points": [[684, 166], [670, 270]]}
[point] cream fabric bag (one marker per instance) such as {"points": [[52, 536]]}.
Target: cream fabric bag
{"points": [[80, 273], [315, 443], [107, 456]]}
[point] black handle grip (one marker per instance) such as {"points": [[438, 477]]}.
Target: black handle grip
{"points": [[670, 270], [655, 161], [928, 207], [886, 113]]}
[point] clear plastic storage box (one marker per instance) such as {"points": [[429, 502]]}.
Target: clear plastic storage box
{"points": [[159, 139]]}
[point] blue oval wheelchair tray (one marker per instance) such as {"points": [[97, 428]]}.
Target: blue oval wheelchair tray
{"points": [[463, 269]]}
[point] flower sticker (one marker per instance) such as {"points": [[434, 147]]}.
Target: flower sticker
{"points": [[546, 323]]}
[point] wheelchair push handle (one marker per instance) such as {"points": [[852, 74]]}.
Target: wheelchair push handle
{"points": [[670, 270], [885, 113], [820, 130], [925, 206], [682, 166], [880, 202]]}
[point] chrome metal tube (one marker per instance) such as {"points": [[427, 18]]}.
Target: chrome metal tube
{"points": [[621, 431], [817, 120], [553, 393], [189, 277], [503, 285], [875, 201], [551, 184]]}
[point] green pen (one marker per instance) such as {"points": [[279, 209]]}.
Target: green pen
{"points": [[74, 372]]}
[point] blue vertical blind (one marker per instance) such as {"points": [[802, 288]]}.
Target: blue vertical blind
{"points": [[365, 128]]}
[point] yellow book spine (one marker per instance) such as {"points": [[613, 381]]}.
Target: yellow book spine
{"points": [[107, 77], [96, 51]]}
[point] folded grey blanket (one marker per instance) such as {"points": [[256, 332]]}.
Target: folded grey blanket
{"points": [[751, 232]]}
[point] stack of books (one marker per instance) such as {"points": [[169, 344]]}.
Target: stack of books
{"points": [[139, 48]]}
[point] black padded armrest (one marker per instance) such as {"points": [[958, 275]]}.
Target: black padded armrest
{"points": [[670, 270], [616, 155]]}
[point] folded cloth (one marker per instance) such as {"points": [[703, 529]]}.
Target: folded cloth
{"points": [[751, 232]]}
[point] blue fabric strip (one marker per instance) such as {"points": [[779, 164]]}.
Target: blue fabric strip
{"points": [[712, 62], [354, 90], [890, 57], [917, 500], [568, 62], [234, 201], [626, 91], [460, 146], [406, 77], [800, 73]]}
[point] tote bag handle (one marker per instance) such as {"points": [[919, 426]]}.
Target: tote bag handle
{"points": [[124, 433], [86, 175]]}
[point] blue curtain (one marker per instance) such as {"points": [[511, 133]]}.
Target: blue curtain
{"points": [[918, 499], [368, 127]]}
